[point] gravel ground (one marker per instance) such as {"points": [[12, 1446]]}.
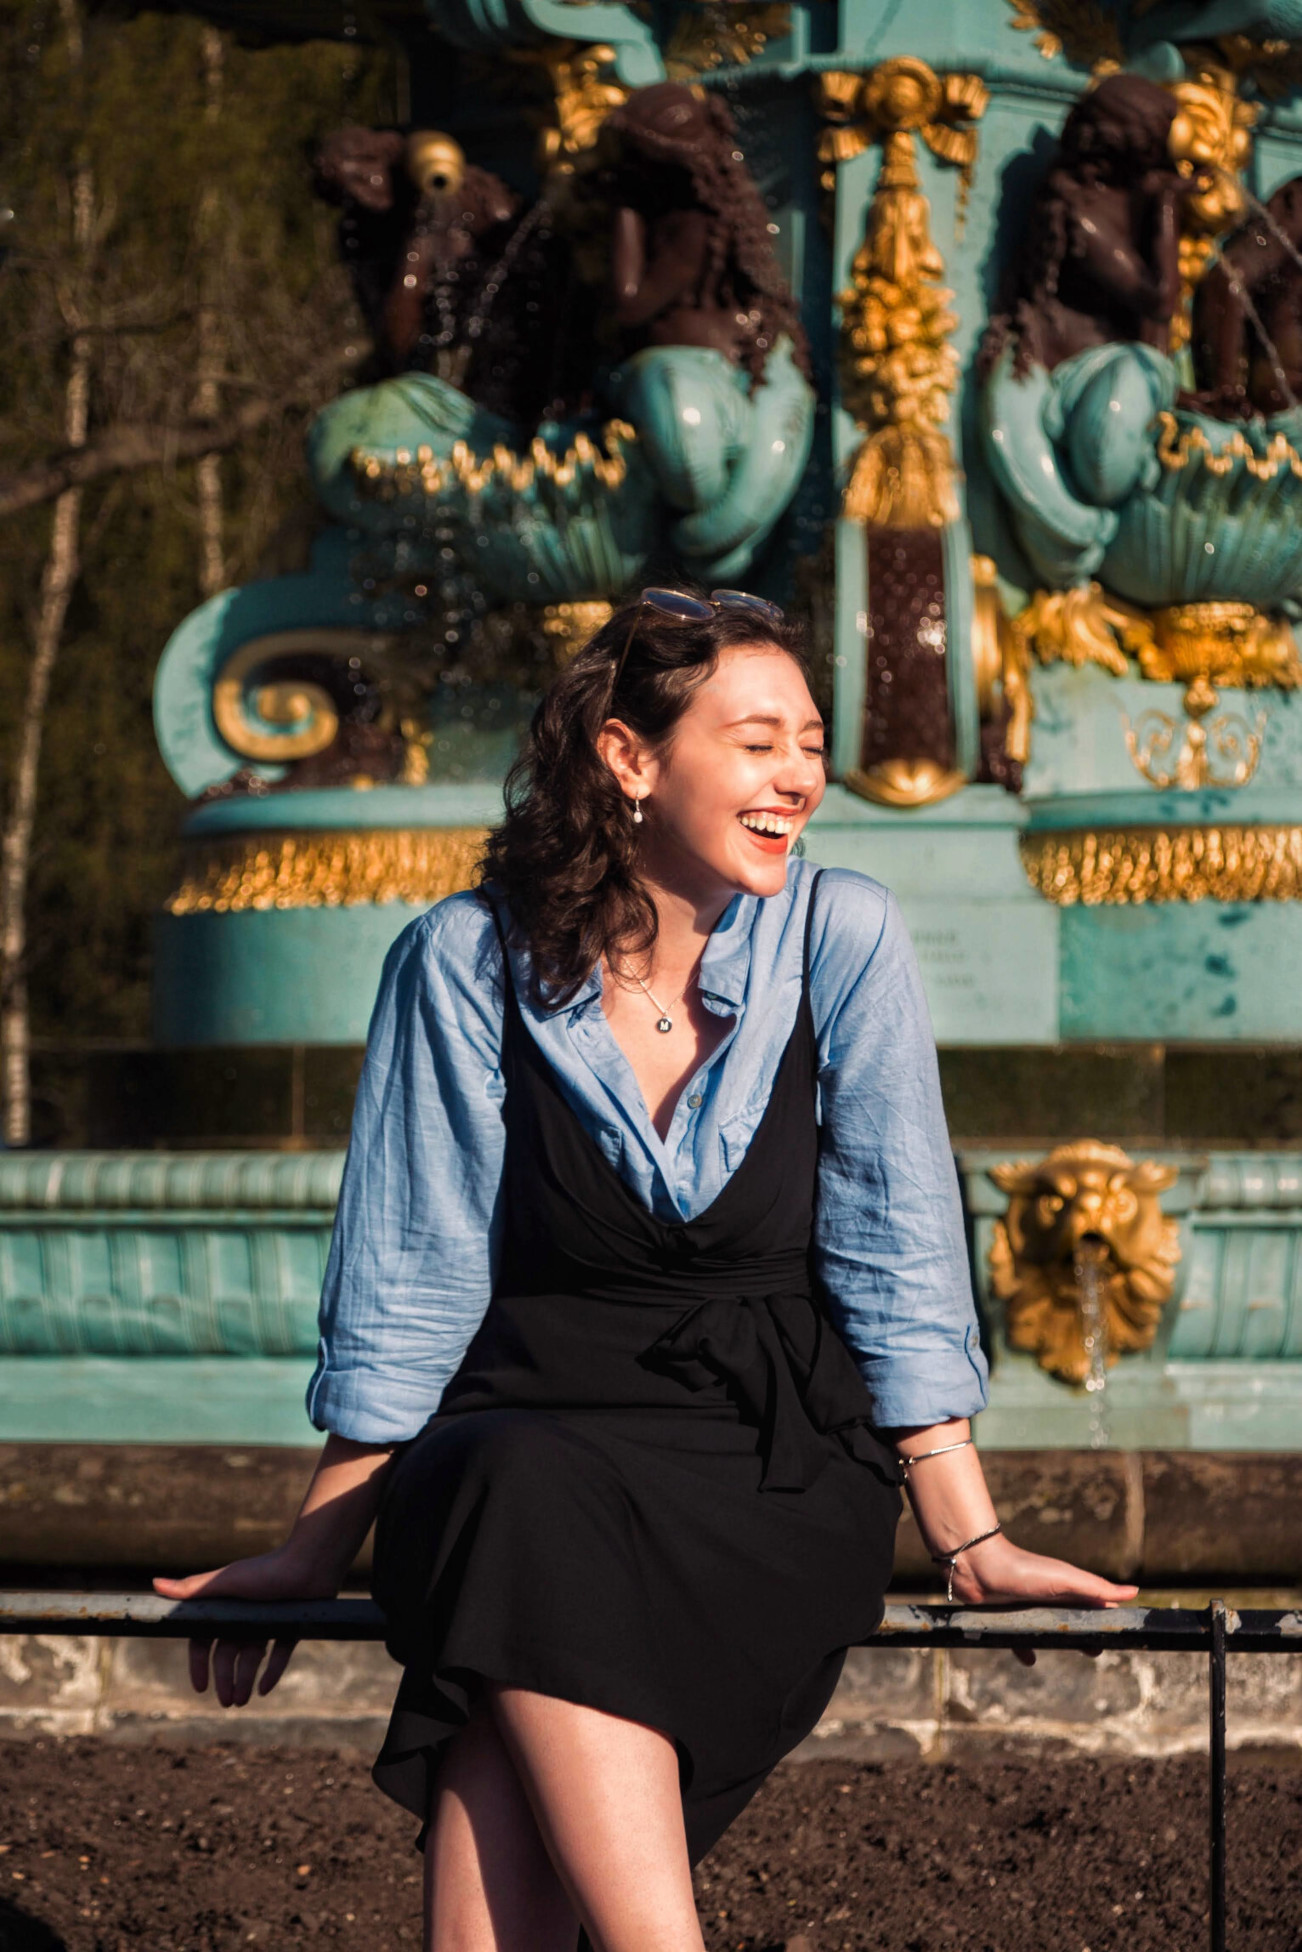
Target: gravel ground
{"points": [[109, 1848]]}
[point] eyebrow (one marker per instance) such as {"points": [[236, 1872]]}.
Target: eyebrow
{"points": [[772, 718]]}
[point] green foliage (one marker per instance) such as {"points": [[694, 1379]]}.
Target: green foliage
{"points": [[196, 213]]}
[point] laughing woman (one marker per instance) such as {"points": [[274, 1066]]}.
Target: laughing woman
{"points": [[648, 1291]]}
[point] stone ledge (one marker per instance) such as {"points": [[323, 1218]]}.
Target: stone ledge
{"points": [[1158, 1517]]}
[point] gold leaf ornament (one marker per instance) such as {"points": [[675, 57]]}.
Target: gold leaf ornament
{"points": [[898, 366]]}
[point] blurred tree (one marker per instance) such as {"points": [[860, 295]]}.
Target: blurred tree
{"points": [[198, 310]]}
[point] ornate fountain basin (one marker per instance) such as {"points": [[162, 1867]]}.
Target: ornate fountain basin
{"points": [[1106, 477]]}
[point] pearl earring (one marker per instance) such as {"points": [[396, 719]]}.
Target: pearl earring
{"points": [[637, 813]]}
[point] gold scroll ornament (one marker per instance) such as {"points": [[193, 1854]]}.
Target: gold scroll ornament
{"points": [[327, 869], [1199, 645], [297, 718], [898, 367], [1083, 1198]]}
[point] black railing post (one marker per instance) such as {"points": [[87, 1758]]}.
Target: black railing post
{"points": [[1216, 1785]]}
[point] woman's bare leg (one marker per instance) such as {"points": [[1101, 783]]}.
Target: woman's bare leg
{"points": [[490, 1885], [606, 1796]]}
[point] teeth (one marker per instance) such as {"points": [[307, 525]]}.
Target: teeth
{"points": [[767, 823]]}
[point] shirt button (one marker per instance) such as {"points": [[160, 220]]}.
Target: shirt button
{"points": [[695, 1100]]}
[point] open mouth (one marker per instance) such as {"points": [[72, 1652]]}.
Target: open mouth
{"points": [[771, 831]]}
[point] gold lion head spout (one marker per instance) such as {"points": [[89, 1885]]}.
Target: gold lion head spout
{"points": [[1085, 1202]]}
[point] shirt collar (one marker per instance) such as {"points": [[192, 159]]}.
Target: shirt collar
{"points": [[725, 965]]}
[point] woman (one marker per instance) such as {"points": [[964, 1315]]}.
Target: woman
{"points": [[668, 1097]]}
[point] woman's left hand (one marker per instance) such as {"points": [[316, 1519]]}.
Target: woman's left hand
{"points": [[999, 1570]]}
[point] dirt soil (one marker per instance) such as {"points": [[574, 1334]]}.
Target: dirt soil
{"points": [[110, 1848]]}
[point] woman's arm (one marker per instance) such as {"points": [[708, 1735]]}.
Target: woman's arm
{"points": [[952, 1504], [411, 1258], [333, 1520], [890, 1247]]}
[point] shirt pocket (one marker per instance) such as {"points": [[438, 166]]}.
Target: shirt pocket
{"points": [[736, 1133]]}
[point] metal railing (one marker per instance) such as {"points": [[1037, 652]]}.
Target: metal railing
{"points": [[1216, 1630]]}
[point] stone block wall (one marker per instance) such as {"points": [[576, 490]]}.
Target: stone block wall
{"points": [[892, 1701]]}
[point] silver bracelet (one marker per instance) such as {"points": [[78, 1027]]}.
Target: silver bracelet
{"points": [[951, 1559], [921, 1455]]}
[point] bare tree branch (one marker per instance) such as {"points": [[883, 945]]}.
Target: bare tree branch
{"points": [[127, 449]]}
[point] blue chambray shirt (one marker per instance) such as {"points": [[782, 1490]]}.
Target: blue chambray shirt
{"points": [[416, 1236]]}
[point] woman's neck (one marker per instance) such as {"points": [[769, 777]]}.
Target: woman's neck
{"points": [[685, 918]]}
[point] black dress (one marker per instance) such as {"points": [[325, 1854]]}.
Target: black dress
{"points": [[652, 1485]]}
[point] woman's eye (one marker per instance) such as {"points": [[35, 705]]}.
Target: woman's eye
{"points": [[759, 748]]}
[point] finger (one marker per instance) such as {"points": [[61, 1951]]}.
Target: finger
{"points": [[247, 1662], [190, 1586], [280, 1657], [1102, 1592], [199, 1651], [223, 1670]]}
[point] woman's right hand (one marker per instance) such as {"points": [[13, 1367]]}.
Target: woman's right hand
{"points": [[278, 1575], [312, 1564]]}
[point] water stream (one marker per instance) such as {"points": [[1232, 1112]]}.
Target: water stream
{"points": [[1090, 1269]]}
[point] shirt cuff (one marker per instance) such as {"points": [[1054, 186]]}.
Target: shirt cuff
{"points": [[925, 1389], [374, 1406]]}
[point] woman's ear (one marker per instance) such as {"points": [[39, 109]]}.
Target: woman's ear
{"points": [[627, 757]]}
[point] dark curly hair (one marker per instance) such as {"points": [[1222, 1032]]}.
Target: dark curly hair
{"points": [[565, 856]]}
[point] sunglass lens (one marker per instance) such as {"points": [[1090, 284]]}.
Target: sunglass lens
{"points": [[678, 604], [743, 600]]}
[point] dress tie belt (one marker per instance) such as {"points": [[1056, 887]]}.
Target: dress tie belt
{"points": [[792, 1375]]}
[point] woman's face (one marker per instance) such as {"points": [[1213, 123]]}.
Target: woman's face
{"points": [[738, 781]]}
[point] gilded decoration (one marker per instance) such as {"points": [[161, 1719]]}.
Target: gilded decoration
{"points": [[1002, 662], [723, 35], [1199, 645], [1224, 751], [1080, 30], [585, 91], [1075, 626], [904, 782], [719, 34], [419, 865], [1188, 447], [300, 717], [569, 626], [1083, 1229], [1142, 864], [295, 717], [422, 472], [898, 367], [1210, 141]]}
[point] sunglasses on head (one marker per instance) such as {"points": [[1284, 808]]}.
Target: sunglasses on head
{"points": [[681, 607]]}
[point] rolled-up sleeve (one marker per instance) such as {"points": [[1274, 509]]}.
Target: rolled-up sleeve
{"points": [[410, 1268], [889, 1248]]}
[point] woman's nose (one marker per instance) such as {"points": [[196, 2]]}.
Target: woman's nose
{"points": [[800, 775]]}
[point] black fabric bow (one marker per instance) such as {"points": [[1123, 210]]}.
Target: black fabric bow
{"points": [[791, 1374]]}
